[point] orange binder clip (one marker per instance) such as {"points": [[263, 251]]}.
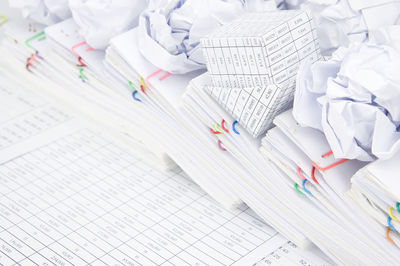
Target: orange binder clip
{"points": [[387, 235]]}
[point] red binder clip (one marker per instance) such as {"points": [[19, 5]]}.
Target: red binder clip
{"points": [[313, 175], [223, 126], [320, 168], [217, 131], [155, 73], [28, 64], [214, 132], [81, 64]]}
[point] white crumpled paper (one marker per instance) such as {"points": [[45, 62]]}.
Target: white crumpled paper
{"points": [[354, 97], [341, 22], [170, 30], [46, 12], [100, 20]]}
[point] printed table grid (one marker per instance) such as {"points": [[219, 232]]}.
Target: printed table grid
{"points": [[100, 205]]}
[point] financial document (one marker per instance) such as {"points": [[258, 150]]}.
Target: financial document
{"points": [[70, 195]]}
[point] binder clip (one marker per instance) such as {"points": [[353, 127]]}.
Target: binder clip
{"points": [[78, 45], [134, 96], [313, 175], [29, 62], [388, 237], [27, 41], [398, 207], [296, 187], [142, 85], [389, 220], [82, 76], [155, 73], [38, 56], [217, 129], [214, 132], [81, 64], [3, 19], [391, 214], [304, 187], [302, 177], [320, 168], [134, 91], [234, 127], [223, 126], [220, 146]]}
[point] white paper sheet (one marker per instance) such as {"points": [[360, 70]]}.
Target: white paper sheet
{"points": [[83, 200]]}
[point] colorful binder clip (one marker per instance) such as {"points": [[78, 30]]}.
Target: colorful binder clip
{"points": [[28, 64], [78, 45], [304, 187], [296, 187], [389, 220], [3, 19], [27, 41], [320, 168], [38, 56], [134, 96], [81, 64], [223, 126], [214, 132], [220, 146], [387, 235], [217, 130], [391, 214], [134, 91], [234, 127], [155, 73], [142, 85], [302, 177], [313, 175], [81, 75], [398, 207]]}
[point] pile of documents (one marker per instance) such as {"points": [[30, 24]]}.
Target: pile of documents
{"points": [[216, 133]]}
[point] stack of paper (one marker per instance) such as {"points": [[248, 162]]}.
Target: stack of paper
{"points": [[375, 191], [277, 182], [72, 195], [94, 202], [62, 66]]}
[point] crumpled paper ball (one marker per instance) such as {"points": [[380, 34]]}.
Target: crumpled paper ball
{"points": [[45, 12], [354, 97], [100, 20]]}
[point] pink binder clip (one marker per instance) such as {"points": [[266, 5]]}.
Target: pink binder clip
{"points": [[220, 146], [78, 45], [155, 73]]}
